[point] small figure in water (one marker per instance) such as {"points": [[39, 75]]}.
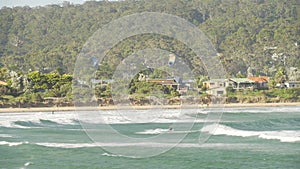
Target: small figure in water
{"points": [[171, 128], [52, 112]]}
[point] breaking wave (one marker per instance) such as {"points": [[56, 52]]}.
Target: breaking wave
{"points": [[10, 144], [36, 120], [282, 135], [162, 131]]}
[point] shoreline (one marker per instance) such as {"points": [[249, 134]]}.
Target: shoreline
{"points": [[73, 108]]}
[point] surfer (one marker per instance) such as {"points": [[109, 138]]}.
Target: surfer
{"points": [[171, 128]]}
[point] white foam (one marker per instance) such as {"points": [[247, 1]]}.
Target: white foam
{"points": [[216, 129], [8, 119], [117, 116], [6, 136], [27, 164], [136, 116], [97, 144], [112, 155], [260, 109], [126, 116], [12, 143], [68, 145], [283, 135], [162, 131], [154, 131], [146, 145]]}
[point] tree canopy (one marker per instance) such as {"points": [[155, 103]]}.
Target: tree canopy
{"points": [[246, 33]]}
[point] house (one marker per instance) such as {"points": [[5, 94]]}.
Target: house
{"points": [[216, 87], [186, 85], [95, 82], [105, 81], [241, 83], [166, 82], [260, 83], [292, 84], [190, 84]]}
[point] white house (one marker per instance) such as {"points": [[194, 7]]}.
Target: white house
{"points": [[292, 84], [216, 87]]}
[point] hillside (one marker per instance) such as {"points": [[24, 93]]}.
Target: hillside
{"points": [[247, 33]]}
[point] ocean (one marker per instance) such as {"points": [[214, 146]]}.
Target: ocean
{"points": [[208, 138]]}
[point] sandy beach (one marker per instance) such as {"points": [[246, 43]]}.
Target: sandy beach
{"points": [[231, 105]]}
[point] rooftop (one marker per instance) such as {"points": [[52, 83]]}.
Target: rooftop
{"points": [[259, 79], [241, 80], [293, 82], [217, 80], [163, 81]]}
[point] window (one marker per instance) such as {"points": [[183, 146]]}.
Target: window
{"points": [[220, 92]]}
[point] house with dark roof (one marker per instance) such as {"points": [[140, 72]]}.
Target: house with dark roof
{"points": [[166, 82], [241, 83]]}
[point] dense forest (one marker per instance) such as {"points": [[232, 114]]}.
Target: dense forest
{"points": [[43, 43], [246, 33]]}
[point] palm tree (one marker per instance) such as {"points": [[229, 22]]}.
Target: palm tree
{"points": [[280, 77]]}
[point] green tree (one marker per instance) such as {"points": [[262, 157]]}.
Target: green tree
{"points": [[200, 81], [4, 74], [280, 76]]}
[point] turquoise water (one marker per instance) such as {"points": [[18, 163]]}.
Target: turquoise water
{"points": [[243, 138]]}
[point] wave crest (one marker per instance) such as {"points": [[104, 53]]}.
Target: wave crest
{"points": [[283, 135]]}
